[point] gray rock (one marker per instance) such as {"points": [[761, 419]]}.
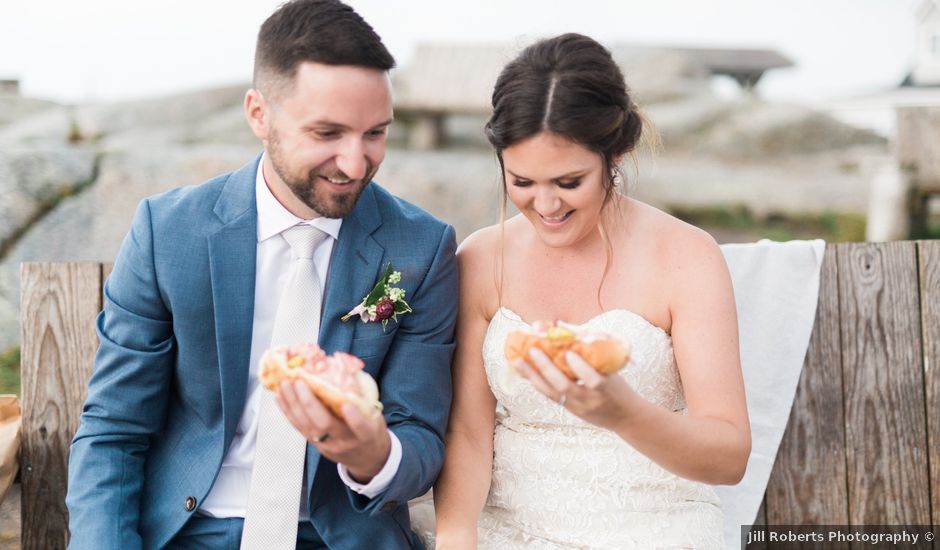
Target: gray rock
{"points": [[172, 119], [15, 107], [770, 158], [227, 125], [460, 187], [33, 179], [751, 129], [90, 226], [804, 184], [50, 126], [757, 130]]}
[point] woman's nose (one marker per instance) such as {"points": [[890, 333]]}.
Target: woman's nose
{"points": [[546, 199]]}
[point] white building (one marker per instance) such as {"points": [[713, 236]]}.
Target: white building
{"points": [[921, 88]]}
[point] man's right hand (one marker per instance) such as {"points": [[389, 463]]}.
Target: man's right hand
{"points": [[360, 443]]}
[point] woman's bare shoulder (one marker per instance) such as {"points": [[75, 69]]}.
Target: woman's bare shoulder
{"points": [[672, 237], [477, 257], [479, 242]]}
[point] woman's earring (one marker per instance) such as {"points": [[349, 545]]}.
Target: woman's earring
{"points": [[615, 176]]}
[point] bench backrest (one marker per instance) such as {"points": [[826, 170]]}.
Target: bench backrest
{"points": [[862, 445]]}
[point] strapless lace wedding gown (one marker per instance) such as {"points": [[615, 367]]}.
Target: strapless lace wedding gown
{"points": [[560, 483]]}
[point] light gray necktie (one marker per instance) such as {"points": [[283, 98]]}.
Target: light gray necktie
{"points": [[276, 477]]}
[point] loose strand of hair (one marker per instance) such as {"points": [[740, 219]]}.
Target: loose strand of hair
{"points": [[499, 272], [608, 261]]}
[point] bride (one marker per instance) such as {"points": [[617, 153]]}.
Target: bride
{"points": [[618, 461]]}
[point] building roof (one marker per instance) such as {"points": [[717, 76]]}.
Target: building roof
{"points": [[459, 78], [733, 60]]}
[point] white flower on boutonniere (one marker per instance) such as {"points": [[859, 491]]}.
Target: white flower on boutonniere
{"points": [[384, 302]]}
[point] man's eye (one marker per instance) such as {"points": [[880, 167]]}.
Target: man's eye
{"points": [[326, 134]]}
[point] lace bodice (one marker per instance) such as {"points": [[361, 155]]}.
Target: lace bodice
{"points": [[651, 372], [559, 482]]}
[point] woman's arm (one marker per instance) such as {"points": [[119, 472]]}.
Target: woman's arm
{"points": [[712, 443], [461, 489]]}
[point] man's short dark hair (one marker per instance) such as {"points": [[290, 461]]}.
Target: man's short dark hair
{"points": [[321, 31]]}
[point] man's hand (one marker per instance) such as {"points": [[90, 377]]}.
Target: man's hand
{"points": [[357, 441]]}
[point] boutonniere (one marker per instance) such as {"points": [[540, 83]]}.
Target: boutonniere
{"points": [[384, 302]]}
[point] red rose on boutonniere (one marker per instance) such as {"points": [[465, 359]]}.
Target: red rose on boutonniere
{"points": [[384, 302]]}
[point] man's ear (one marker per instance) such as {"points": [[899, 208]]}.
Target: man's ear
{"points": [[257, 111]]}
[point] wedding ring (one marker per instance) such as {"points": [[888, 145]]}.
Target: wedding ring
{"points": [[563, 399], [321, 438], [580, 383]]}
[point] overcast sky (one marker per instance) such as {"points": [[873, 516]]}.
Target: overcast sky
{"points": [[88, 50]]}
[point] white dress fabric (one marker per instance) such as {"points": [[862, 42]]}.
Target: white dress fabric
{"points": [[560, 482], [776, 286]]}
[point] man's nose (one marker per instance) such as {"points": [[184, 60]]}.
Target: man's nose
{"points": [[351, 159]]}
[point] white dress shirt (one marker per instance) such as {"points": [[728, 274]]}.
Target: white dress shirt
{"points": [[229, 494]]}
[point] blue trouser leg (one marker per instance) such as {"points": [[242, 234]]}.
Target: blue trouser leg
{"points": [[205, 533]]}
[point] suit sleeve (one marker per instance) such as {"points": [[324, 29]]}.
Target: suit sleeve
{"points": [[126, 401], [415, 381]]}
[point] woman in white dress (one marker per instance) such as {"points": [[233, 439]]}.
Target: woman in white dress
{"points": [[618, 461]]}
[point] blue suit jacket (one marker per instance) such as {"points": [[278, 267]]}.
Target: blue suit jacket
{"points": [[171, 373]]}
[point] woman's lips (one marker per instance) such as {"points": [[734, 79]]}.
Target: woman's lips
{"points": [[556, 221]]}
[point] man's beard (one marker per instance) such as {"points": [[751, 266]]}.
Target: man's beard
{"points": [[326, 203]]}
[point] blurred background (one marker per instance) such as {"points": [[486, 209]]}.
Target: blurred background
{"points": [[802, 119], [778, 120], [781, 120]]}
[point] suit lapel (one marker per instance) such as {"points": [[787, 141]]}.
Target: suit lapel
{"points": [[354, 269], [232, 254]]}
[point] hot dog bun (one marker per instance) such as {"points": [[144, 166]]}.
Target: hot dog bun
{"points": [[335, 379], [602, 351]]}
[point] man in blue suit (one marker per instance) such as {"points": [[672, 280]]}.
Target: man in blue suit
{"points": [[164, 453]]}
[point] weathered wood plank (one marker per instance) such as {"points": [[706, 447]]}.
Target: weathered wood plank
{"points": [[870, 343], [59, 303], [883, 378], [808, 483], [929, 256]]}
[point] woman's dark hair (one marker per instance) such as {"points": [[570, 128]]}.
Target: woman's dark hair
{"points": [[568, 85], [322, 31]]}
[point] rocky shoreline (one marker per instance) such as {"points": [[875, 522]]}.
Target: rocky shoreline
{"points": [[71, 176]]}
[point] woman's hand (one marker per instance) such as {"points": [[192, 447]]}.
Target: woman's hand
{"points": [[599, 399]]}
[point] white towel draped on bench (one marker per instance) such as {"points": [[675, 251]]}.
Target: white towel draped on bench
{"points": [[776, 286]]}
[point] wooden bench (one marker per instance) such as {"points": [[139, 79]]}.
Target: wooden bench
{"points": [[862, 445]]}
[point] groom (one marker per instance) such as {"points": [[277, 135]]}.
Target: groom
{"points": [[171, 445]]}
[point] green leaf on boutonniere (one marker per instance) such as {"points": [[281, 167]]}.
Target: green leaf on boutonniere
{"points": [[379, 290]]}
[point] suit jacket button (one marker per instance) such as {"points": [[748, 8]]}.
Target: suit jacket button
{"points": [[390, 505], [190, 504]]}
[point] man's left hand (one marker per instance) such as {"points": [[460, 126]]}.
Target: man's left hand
{"points": [[357, 441]]}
